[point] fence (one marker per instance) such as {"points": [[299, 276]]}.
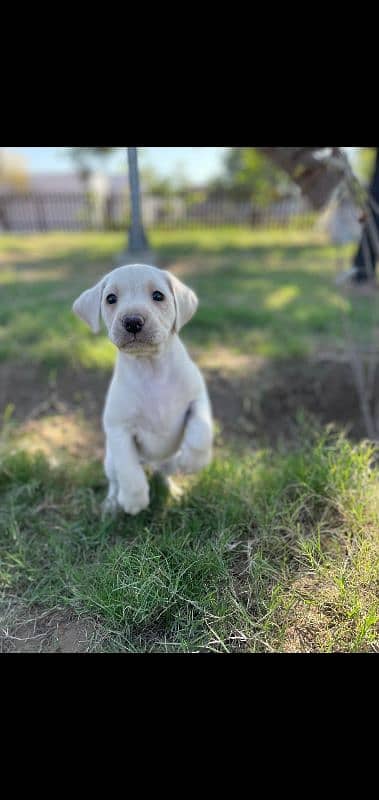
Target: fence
{"points": [[81, 211]]}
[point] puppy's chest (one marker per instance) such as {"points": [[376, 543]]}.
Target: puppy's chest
{"points": [[158, 422], [158, 411], [157, 407]]}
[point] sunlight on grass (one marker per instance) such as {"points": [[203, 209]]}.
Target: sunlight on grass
{"points": [[223, 358], [94, 353], [281, 297], [268, 293], [56, 437]]}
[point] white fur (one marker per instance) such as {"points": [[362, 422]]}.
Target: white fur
{"points": [[157, 411]]}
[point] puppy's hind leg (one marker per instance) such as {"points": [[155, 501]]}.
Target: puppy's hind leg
{"points": [[110, 505], [196, 449]]}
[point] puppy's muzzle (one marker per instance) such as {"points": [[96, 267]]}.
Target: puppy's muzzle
{"points": [[133, 324]]}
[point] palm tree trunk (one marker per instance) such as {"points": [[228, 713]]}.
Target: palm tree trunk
{"points": [[137, 237]]}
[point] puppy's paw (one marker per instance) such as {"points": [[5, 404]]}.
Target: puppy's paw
{"points": [[134, 501]]}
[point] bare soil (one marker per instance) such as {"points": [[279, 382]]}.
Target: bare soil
{"points": [[256, 406], [53, 632]]}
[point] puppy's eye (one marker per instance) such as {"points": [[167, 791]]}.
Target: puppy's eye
{"points": [[158, 297], [111, 299]]}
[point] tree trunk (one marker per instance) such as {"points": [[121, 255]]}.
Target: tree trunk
{"points": [[317, 178], [366, 258]]}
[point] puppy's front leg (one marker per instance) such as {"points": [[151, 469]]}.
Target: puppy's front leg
{"points": [[196, 448], [133, 488]]}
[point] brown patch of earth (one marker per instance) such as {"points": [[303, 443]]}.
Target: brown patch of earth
{"points": [[261, 405], [53, 632], [254, 403]]}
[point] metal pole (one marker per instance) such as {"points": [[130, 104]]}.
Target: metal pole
{"points": [[137, 237]]}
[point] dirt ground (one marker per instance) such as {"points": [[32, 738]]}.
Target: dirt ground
{"points": [[53, 632], [254, 405]]}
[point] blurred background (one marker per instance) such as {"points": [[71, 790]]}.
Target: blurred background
{"points": [[262, 249], [276, 546], [62, 188]]}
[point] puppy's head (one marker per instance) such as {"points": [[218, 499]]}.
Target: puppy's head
{"points": [[141, 306]]}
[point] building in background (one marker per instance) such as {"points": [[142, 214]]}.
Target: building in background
{"points": [[14, 176], [99, 201], [65, 201]]}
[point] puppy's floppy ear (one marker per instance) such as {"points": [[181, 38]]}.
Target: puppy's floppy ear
{"points": [[88, 306], [186, 302]]}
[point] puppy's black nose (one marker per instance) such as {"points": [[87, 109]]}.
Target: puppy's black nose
{"points": [[133, 324]]}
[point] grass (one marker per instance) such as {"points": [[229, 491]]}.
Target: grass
{"points": [[267, 293], [288, 561]]}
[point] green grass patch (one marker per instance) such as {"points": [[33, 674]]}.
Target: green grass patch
{"points": [[288, 560], [264, 293]]}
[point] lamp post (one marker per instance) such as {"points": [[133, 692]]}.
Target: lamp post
{"points": [[138, 250], [138, 242]]}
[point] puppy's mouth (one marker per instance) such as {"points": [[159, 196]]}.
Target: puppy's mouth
{"points": [[137, 344], [148, 340]]}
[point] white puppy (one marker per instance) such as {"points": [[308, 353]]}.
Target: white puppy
{"points": [[157, 411]]}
